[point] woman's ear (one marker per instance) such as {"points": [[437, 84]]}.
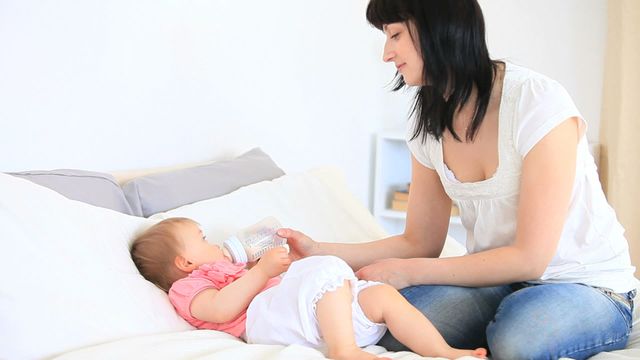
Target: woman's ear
{"points": [[183, 264]]}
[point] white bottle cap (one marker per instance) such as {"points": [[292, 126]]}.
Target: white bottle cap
{"points": [[235, 249]]}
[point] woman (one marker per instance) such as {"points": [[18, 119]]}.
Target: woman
{"points": [[548, 272]]}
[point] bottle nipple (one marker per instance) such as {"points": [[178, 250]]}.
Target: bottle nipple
{"points": [[235, 250], [227, 254]]}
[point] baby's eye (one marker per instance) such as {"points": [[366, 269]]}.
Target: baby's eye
{"points": [[204, 237]]}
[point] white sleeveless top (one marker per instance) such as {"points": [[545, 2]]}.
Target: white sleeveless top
{"points": [[592, 249]]}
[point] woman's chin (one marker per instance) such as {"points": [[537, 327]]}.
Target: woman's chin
{"points": [[412, 82]]}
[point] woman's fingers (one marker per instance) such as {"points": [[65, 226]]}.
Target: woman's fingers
{"points": [[300, 244]]}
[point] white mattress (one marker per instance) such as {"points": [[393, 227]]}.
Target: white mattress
{"points": [[210, 344], [142, 324], [204, 344]]}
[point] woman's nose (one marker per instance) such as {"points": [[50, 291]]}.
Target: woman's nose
{"points": [[387, 53]]}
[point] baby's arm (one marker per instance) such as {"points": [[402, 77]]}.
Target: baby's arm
{"points": [[220, 306]]}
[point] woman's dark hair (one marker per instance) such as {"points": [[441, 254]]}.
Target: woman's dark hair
{"points": [[451, 38]]}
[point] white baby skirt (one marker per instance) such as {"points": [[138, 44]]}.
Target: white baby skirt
{"points": [[286, 313]]}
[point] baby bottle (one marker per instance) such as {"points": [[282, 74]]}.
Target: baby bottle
{"points": [[251, 243]]}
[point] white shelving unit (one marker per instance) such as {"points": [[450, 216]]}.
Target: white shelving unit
{"points": [[393, 172]]}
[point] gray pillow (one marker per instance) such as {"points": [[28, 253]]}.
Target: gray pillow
{"points": [[155, 193], [94, 188]]}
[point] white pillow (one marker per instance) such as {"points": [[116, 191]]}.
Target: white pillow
{"points": [[67, 279], [317, 202]]}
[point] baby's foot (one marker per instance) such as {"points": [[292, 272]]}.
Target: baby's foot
{"points": [[354, 353], [480, 353]]}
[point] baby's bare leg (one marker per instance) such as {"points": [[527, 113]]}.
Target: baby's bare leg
{"points": [[336, 325], [383, 303]]}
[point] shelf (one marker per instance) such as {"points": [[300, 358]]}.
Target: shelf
{"points": [[393, 134], [393, 172]]}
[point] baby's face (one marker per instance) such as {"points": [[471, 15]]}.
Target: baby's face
{"points": [[197, 249]]}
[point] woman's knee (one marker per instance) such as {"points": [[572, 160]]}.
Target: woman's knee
{"points": [[506, 342], [511, 334], [540, 321], [461, 314]]}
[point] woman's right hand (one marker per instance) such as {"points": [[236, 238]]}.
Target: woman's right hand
{"points": [[300, 245]]}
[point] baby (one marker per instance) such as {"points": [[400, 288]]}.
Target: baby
{"points": [[319, 302]]}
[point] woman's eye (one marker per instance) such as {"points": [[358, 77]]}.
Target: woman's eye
{"points": [[395, 36]]}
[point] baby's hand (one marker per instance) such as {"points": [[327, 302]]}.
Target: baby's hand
{"points": [[274, 262]]}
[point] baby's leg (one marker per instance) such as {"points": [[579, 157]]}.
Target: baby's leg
{"points": [[336, 324], [383, 303]]}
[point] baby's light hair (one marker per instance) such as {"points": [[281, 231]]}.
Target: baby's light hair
{"points": [[154, 252]]}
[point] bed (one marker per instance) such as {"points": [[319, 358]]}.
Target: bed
{"points": [[70, 290]]}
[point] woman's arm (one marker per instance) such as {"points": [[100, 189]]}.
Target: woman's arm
{"points": [[548, 174], [220, 306], [428, 213]]}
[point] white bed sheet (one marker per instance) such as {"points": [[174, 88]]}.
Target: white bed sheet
{"points": [[210, 344], [207, 345]]}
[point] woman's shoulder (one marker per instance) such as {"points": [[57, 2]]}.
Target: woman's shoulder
{"points": [[537, 105], [423, 146], [520, 80]]}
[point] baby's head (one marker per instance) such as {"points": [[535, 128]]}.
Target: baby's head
{"points": [[171, 249]]}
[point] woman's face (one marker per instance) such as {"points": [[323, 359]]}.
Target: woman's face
{"points": [[400, 49]]}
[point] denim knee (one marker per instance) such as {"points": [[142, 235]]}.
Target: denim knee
{"points": [[506, 345], [541, 322], [461, 314]]}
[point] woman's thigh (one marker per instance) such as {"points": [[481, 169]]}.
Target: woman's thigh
{"points": [[461, 314], [558, 320]]}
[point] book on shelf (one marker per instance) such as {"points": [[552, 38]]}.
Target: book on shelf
{"points": [[400, 198], [399, 205], [401, 195], [402, 192]]}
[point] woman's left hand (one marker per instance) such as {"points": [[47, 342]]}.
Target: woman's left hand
{"points": [[394, 272]]}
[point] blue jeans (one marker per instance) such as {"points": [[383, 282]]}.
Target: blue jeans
{"points": [[525, 321]]}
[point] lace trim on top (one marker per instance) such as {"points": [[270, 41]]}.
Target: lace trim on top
{"points": [[450, 175], [505, 181]]}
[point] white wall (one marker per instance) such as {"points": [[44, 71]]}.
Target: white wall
{"points": [[564, 40], [126, 84]]}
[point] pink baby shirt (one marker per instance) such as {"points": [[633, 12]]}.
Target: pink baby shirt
{"points": [[215, 275]]}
